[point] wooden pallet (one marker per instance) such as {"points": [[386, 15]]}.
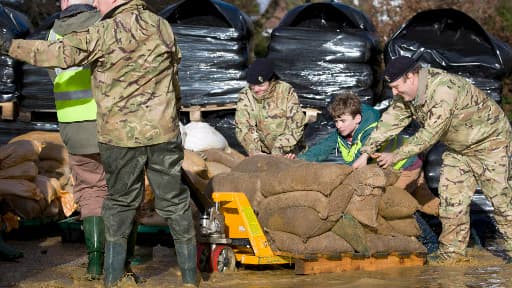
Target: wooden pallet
{"points": [[8, 110], [350, 262], [196, 111], [43, 115]]}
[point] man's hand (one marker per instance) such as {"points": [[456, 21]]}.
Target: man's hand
{"points": [[361, 161], [384, 159], [290, 156], [5, 40]]}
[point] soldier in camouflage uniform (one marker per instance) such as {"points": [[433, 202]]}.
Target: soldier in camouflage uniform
{"points": [[478, 136], [268, 116], [134, 60]]}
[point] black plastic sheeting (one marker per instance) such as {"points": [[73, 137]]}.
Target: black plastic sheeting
{"points": [[322, 49], [451, 40], [214, 38], [19, 26]]}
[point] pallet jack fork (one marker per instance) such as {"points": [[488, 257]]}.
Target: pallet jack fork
{"points": [[230, 233]]}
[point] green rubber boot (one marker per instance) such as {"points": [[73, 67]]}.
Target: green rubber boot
{"points": [[8, 253], [186, 253], [353, 232], [94, 232]]}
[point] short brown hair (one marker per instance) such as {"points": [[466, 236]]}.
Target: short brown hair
{"points": [[345, 103]]}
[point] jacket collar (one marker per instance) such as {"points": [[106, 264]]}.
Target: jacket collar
{"points": [[124, 7], [422, 87], [74, 9]]}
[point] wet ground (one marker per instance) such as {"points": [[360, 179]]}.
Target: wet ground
{"points": [[48, 262]]}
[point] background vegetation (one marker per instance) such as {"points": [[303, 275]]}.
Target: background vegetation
{"points": [[495, 16]]}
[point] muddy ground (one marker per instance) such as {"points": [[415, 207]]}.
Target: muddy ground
{"points": [[48, 262]]}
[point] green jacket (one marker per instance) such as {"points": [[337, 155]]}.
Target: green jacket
{"points": [[134, 60], [273, 124], [451, 110]]}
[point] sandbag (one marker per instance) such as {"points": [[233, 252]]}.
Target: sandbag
{"points": [[26, 208], [15, 153], [311, 199], [201, 136], [338, 201], [304, 176], [247, 183], [325, 244], [199, 183], [349, 229], [369, 175], [53, 209], [67, 202], [397, 203], [25, 170], [50, 166], [53, 151], [406, 226], [215, 168], [365, 207], [195, 164], [287, 220], [19, 188], [40, 136], [48, 187], [395, 243], [262, 163], [383, 227], [228, 156]]}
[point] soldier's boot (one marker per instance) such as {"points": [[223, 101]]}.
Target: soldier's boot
{"points": [[353, 232], [428, 238], [115, 258], [7, 252], [130, 252], [94, 232], [186, 254], [441, 258]]}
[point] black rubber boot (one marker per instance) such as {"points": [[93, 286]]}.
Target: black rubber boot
{"points": [[94, 232], [187, 259], [130, 252], [115, 258], [8, 253], [428, 238]]}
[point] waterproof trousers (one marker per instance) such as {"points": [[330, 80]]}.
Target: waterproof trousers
{"points": [[125, 168]]}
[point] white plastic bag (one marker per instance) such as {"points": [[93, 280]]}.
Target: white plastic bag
{"points": [[200, 136]]}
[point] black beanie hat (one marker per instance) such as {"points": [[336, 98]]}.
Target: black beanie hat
{"points": [[259, 71], [398, 67]]}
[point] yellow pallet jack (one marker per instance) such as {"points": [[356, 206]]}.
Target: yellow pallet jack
{"points": [[230, 234]]}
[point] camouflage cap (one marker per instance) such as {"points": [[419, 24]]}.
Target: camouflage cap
{"points": [[398, 67], [259, 71]]}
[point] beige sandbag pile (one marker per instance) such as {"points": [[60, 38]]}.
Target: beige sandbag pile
{"points": [[35, 178], [324, 208]]}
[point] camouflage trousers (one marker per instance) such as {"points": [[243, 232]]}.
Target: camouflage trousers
{"points": [[487, 167]]}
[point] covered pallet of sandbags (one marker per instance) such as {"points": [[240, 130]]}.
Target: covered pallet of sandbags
{"points": [[325, 208], [214, 38], [453, 41], [37, 86], [18, 25], [323, 49]]}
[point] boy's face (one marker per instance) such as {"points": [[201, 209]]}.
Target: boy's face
{"points": [[346, 124]]}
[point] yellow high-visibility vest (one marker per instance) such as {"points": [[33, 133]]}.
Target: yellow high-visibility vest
{"points": [[72, 91]]}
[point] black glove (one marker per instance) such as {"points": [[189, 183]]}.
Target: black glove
{"points": [[6, 37]]}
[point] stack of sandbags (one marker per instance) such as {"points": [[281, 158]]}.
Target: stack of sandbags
{"points": [[319, 208], [35, 177]]}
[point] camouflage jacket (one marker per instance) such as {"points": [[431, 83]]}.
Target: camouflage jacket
{"points": [[274, 124], [134, 60], [451, 110]]}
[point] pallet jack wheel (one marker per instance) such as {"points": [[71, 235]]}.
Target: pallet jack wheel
{"points": [[223, 259], [203, 258]]}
